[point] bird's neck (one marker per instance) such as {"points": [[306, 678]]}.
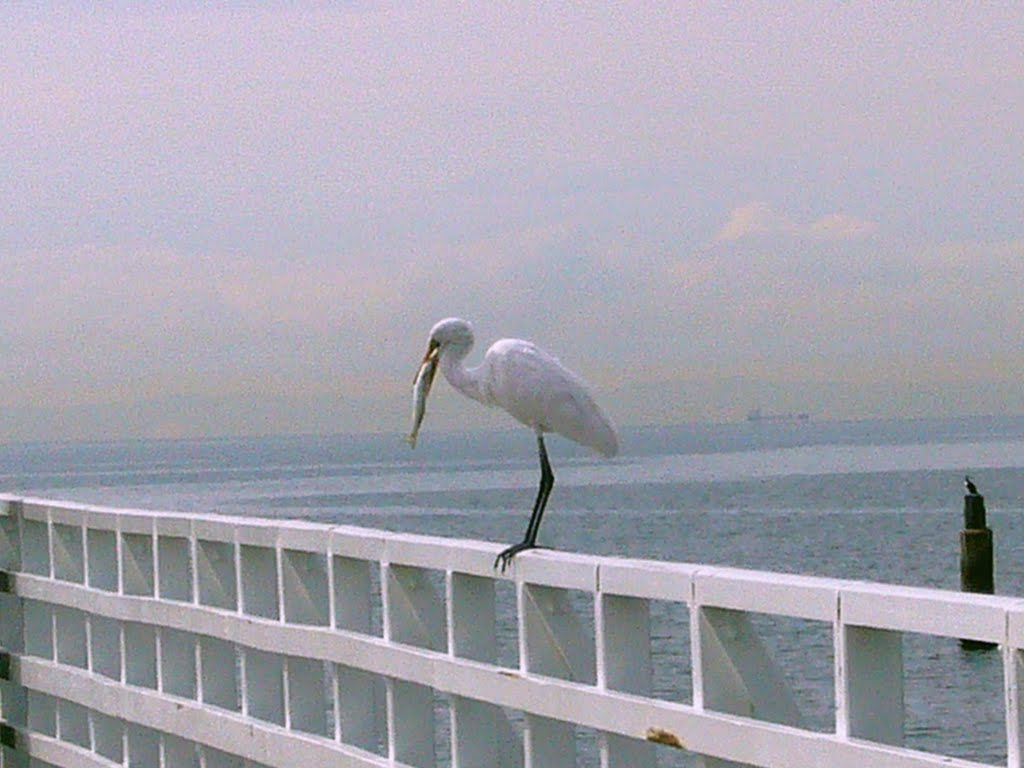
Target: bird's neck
{"points": [[465, 380]]}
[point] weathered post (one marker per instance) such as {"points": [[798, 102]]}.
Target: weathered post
{"points": [[976, 561]]}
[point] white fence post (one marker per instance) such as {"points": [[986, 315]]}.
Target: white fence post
{"points": [[472, 617], [360, 706], [1013, 671], [870, 684], [14, 699], [482, 737], [623, 627], [413, 614], [734, 673], [553, 643]]}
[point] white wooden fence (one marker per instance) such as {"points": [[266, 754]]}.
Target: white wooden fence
{"points": [[152, 639]]}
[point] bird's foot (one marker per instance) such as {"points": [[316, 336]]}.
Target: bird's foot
{"points": [[505, 556]]}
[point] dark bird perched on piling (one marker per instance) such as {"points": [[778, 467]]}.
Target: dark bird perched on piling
{"points": [[972, 489], [977, 564]]}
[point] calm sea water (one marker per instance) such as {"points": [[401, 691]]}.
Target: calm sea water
{"points": [[880, 501]]}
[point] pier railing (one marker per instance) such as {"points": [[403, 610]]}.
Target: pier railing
{"points": [[172, 640]]}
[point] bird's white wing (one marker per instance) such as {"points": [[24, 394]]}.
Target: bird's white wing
{"points": [[537, 390]]}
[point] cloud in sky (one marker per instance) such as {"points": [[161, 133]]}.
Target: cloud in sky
{"points": [[247, 220], [759, 219]]}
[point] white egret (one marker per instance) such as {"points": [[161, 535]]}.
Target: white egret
{"points": [[528, 383]]}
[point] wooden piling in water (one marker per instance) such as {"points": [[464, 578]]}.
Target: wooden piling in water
{"points": [[977, 572]]}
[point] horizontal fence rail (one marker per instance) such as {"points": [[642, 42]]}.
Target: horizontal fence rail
{"points": [[170, 640]]}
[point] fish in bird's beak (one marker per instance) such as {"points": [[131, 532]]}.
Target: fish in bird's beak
{"points": [[421, 388]]}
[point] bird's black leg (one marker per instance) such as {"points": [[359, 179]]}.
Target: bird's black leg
{"points": [[547, 482]]}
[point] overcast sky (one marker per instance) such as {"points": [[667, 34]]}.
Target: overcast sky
{"points": [[238, 221]]}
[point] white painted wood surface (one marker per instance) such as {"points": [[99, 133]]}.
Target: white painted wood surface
{"points": [[165, 640]]}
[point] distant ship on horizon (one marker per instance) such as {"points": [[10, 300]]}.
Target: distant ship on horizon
{"points": [[757, 415]]}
